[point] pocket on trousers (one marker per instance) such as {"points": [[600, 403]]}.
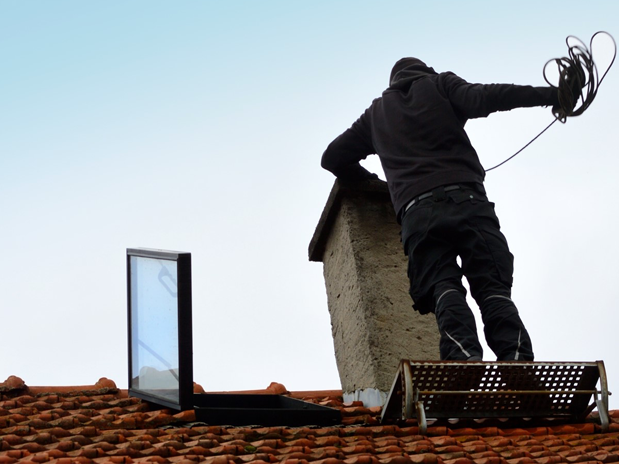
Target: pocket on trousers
{"points": [[497, 245], [415, 224], [505, 267], [460, 196]]}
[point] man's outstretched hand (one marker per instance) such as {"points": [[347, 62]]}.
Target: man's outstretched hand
{"points": [[570, 90]]}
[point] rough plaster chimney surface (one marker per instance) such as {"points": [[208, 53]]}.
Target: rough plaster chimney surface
{"points": [[372, 321]]}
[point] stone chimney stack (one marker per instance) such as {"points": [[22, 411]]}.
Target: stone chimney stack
{"points": [[372, 320]]}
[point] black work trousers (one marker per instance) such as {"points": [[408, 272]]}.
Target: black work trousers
{"points": [[435, 231]]}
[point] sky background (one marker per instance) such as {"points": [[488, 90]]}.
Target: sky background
{"points": [[198, 126]]}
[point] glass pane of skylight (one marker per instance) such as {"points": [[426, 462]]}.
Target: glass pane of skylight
{"points": [[154, 315]]}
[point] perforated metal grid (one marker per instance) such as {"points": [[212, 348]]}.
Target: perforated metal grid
{"points": [[503, 389]]}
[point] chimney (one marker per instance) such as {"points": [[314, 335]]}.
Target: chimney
{"points": [[372, 320]]}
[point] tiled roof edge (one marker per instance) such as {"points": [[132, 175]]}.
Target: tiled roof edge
{"points": [[16, 385]]}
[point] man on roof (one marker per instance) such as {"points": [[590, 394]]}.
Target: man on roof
{"points": [[435, 180]]}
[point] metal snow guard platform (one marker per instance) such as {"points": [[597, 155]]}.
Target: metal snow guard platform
{"points": [[501, 390]]}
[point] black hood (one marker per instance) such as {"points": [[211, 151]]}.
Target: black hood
{"points": [[407, 70]]}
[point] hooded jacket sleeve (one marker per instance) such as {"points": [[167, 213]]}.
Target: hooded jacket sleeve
{"points": [[479, 100], [342, 156]]}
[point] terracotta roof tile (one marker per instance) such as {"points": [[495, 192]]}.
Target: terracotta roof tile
{"points": [[101, 424]]}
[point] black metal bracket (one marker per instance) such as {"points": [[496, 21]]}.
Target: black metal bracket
{"points": [[261, 409]]}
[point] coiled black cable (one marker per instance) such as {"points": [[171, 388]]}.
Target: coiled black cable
{"points": [[579, 81]]}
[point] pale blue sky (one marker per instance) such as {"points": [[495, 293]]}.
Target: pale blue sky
{"points": [[199, 125]]}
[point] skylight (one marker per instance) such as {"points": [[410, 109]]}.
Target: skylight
{"points": [[159, 313]]}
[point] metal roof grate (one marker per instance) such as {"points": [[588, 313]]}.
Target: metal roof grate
{"points": [[451, 389]]}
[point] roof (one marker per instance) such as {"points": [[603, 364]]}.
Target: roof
{"points": [[101, 423]]}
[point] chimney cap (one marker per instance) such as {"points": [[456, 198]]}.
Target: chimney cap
{"points": [[366, 188]]}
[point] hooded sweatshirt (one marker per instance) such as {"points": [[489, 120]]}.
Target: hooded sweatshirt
{"points": [[417, 129]]}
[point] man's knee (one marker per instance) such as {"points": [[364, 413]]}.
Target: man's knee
{"points": [[497, 306], [448, 288]]}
